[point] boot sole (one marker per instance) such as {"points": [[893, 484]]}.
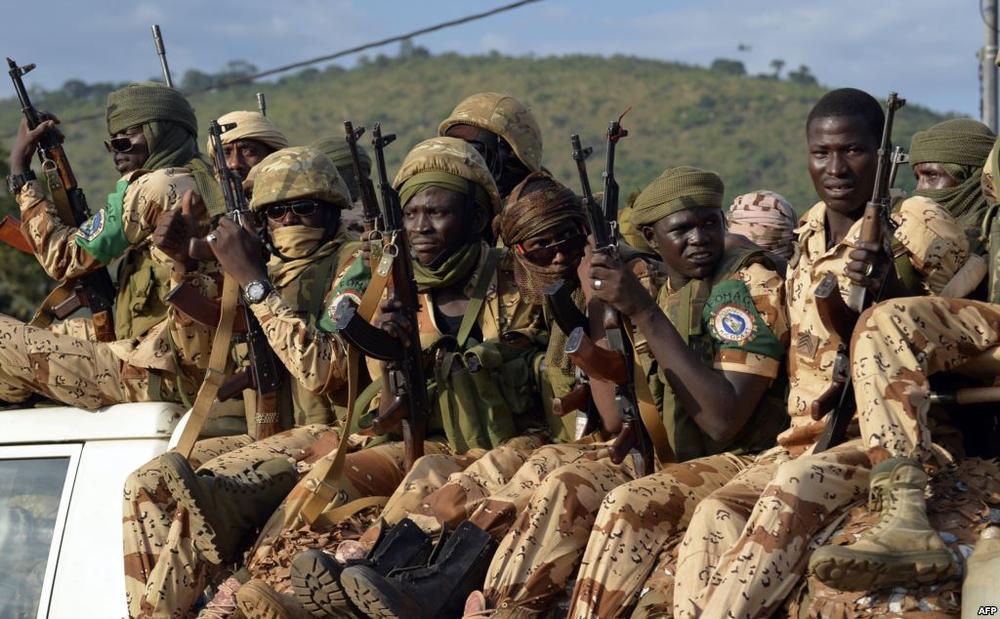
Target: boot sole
{"points": [[367, 597], [260, 602], [849, 570], [181, 479], [316, 586]]}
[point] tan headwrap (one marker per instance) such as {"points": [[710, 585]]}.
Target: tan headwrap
{"points": [[675, 190], [765, 218], [250, 126]]}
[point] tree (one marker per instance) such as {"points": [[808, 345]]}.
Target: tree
{"points": [[777, 64], [196, 80], [802, 75], [728, 66]]}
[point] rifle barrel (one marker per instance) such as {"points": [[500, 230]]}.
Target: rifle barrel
{"points": [[161, 51]]}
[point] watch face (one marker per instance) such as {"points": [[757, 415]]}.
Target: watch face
{"points": [[255, 292]]}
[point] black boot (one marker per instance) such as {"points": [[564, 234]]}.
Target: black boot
{"points": [[316, 575], [438, 590]]}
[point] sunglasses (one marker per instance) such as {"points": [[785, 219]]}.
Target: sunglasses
{"points": [[119, 145], [546, 254], [302, 208]]}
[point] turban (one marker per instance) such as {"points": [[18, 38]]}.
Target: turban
{"points": [[675, 190], [960, 146], [250, 126], [337, 150], [145, 102], [765, 218]]}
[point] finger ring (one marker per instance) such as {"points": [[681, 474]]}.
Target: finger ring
{"points": [[598, 284], [869, 269], [211, 238]]}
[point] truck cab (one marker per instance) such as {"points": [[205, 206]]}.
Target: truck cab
{"points": [[62, 471]]}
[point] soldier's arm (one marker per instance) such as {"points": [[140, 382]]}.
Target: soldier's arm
{"points": [[52, 241], [933, 240]]}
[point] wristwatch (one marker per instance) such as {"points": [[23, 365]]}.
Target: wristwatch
{"points": [[16, 181], [256, 291]]}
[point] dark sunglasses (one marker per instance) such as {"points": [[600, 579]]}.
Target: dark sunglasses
{"points": [[302, 208], [547, 253], [119, 145]]}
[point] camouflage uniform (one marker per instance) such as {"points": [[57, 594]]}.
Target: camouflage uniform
{"points": [[505, 116], [164, 572], [155, 354], [747, 543]]}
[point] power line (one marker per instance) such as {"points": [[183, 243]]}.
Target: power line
{"points": [[344, 52]]}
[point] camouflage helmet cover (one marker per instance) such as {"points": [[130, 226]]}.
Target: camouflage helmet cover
{"points": [[505, 116], [297, 173], [449, 155]]}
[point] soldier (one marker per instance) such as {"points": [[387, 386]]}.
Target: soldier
{"points": [[170, 552], [505, 133], [742, 559], [160, 354], [245, 145], [765, 219], [734, 353], [544, 227]]}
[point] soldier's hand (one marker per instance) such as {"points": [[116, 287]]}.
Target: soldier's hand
{"points": [[613, 283], [26, 142], [866, 265], [393, 321], [175, 228], [239, 251]]}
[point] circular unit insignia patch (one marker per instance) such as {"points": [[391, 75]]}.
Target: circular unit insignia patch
{"points": [[93, 227], [732, 323]]}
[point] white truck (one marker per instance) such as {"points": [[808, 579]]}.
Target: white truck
{"points": [[62, 471]]}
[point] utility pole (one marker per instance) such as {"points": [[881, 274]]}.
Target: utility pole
{"points": [[988, 67]]}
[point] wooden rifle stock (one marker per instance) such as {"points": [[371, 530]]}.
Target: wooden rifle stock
{"points": [[573, 401], [598, 362]]}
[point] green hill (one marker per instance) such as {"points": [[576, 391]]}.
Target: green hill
{"points": [[749, 129]]}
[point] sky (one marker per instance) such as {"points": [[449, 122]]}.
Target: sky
{"points": [[924, 49]]}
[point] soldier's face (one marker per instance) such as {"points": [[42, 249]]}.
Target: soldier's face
{"points": [[933, 176], [690, 242], [842, 161], [436, 222], [130, 157], [242, 155]]}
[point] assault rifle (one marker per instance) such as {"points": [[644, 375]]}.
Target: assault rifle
{"points": [[405, 403], [263, 374], [839, 316], [613, 362], [94, 290], [161, 51], [371, 215]]}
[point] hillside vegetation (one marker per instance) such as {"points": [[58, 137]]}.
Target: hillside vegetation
{"points": [[749, 129]]}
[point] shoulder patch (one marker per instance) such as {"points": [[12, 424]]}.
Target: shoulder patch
{"points": [[733, 323], [92, 228]]}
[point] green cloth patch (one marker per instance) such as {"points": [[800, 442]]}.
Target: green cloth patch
{"points": [[103, 235], [735, 323], [352, 285]]}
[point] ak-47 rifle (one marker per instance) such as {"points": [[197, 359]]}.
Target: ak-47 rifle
{"points": [[405, 403], [161, 51], [371, 215], [262, 104], [263, 375], [614, 362], [899, 157], [94, 290], [840, 316]]}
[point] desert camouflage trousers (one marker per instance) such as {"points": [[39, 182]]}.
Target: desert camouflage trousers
{"points": [[896, 346], [72, 370], [164, 573], [635, 526], [443, 490]]}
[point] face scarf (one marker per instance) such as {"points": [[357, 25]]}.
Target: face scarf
{"points": [[456, 269], [300, 246], [537, 206]]}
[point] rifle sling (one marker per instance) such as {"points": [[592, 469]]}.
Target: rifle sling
{"points": [[215, 374], [324, 474], [650, 415]]}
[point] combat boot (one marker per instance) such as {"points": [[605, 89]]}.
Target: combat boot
{"points": [[257, 600], [901, 548], [438, 590], [316, 575], [224, 510]]}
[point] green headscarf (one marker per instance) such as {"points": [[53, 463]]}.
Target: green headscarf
{"points": [[675, 190], [457, 267], [961, 146]]}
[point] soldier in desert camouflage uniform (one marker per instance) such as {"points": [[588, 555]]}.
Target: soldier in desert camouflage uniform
{"points": [[161, 354], [300, 194], [245, 145], [765, 219], [747, 543]]}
